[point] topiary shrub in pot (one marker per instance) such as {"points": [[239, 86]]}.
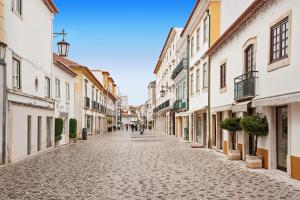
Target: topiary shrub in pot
{"points": [[59, 126], [73, 130], [258, 127], [232, 125]]}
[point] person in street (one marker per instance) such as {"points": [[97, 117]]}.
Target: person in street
{"points": [[142, 129], [132, 127], [126, 127], [136, 127]]}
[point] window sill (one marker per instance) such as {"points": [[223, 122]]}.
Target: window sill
{"points": [[20, 16], [204, 89], [278, 64], [15, 89], [223, 90]]}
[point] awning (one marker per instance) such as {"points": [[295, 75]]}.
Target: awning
{"points": [[221, 108], [276, 100], [241, 107]]}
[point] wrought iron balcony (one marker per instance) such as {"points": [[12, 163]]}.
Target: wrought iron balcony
{"points": [[244, 86], [181, 65], [177, 105], [180, 105], [86, 102]]}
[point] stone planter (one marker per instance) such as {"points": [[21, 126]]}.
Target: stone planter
{"points": [[235, 154], [73, 140], [254, 162]]}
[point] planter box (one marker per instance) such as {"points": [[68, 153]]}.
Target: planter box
{"points": [[235, 154], [73, 140], [254, 162]]}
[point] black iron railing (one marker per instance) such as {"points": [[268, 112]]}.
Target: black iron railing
{"points": [[181, 65], [244, 86]]}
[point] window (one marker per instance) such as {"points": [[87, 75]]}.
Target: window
{"points": [[198, 39], [197, 80], [16, 73], [279, 40], [67, 92], [96, 95], [47, 87], [249, 58], [205, 75], [205, 29], [223, 76], [93, 93], [57, 88], [192, 46], [192, 84], [85, 88], [17, 6]]}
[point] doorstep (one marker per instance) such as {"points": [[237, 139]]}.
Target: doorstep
{"points": [[196, 145]]}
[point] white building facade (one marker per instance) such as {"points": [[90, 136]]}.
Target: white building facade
{"points": [[30, 109], [255, 71], [164, 116], [64, 95]]}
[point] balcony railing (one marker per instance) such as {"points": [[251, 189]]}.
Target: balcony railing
{"points": [[162, 106], [181, 65], [244, 86], [86, 102], [180, 105]]}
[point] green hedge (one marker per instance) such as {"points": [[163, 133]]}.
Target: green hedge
{"points": [[59, 126], [73, 128]]}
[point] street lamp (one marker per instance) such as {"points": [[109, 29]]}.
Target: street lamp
{"points": [[2, 51], [63, 46], [162, 92]]}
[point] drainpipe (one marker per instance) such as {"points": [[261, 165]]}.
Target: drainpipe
{"points": [[209, 86], [4, 112], [188, 82]]}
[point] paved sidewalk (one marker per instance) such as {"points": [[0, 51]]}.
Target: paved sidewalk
{"points": [[123, 166]]}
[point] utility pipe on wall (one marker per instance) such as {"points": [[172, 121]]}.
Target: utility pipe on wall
{"points": [[4, 135]]}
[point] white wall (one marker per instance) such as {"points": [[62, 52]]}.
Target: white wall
{"points": [[286, 78], [231, 10], [30, 38]]}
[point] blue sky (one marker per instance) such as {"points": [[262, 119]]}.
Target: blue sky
{"points": [[124, 37]]}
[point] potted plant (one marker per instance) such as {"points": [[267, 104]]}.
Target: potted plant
{"points": [[232, 125], [73, 130], [258, 127], [59, 126]]}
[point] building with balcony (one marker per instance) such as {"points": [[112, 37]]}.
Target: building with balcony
{"points": [[254, 70], [110, 97], [191, 75], [90, 106], [163, 114], [29, 110]]}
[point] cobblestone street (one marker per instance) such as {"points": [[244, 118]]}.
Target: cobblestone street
{"points": [[129, 166]]}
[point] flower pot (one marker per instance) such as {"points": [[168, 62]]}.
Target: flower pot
{"points": [[235, 154], [254, 162]]}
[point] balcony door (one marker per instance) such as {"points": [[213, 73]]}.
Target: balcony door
{"points": [[282, 137], [249, 59]]}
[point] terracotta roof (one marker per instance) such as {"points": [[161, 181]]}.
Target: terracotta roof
{"points": [[51, 6], [245, 17], [190, 18], [65, 61], [88, 71], [65, 68]]}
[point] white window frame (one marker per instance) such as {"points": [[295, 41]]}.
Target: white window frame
{"points": [[57, 88], [68, 92], [205, 76], [205, 29], [17, 10], [17, 75], [47, 87]]}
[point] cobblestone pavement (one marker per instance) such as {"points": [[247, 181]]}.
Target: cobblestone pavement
{"points": [[123, 166]]}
